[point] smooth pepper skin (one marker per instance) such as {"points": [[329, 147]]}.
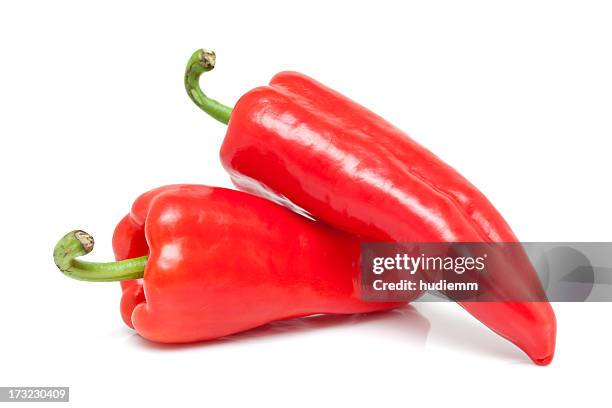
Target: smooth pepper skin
{"points": [[298, 141], [223, 261]]}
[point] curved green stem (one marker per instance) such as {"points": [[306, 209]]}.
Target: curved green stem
{"points": [[203, 61], [78, 243]]}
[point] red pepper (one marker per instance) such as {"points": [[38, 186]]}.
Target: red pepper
{"points": [[303, 143], [215, 262]]}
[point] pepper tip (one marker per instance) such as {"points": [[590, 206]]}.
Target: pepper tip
{"points": [[207, 59], [544, 361], [86, 240], [73, 244]]}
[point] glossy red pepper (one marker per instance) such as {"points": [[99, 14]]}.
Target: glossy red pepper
{"points": [[215, 261], [298, 142]]}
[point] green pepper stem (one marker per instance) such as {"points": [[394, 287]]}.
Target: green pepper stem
{"points": [[77, 243], [203, 61]]}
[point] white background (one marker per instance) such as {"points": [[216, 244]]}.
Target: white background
{"points": [[517, 96]]}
